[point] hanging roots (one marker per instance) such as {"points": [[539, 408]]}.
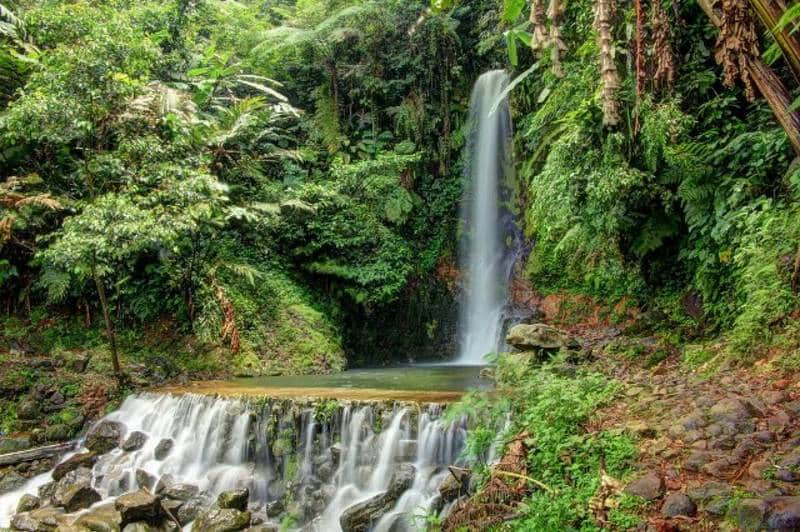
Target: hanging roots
{"points": [[495, 502], [229, 330], [609, 77], [554, 12], [664, 75], [737, 45], [539, 34]]}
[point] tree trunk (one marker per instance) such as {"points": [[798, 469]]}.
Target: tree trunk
{"points": [[770, 86], [112, 337], [769, 13]]}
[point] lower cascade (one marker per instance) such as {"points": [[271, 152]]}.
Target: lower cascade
{"points": [[301, 464]]}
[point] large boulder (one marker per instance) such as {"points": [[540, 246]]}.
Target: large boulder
{"points": [[221, 520], [104, 437], [42, 520], [363, 515], [72, 463], [182, 492], [74, 491], [28, 503], [101, 518], [538, 336], [454, 485], [140, 505], [163, 448], [134, 441], [235, 499]]}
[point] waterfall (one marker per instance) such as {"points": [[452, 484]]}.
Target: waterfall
{"points": [[482, 253], [310, 461]]}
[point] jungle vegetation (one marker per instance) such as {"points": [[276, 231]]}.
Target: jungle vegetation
{"points": [[278, 180]]}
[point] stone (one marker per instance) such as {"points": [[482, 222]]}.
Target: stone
{"points": [[234, 499], [58, 432], [748, 514], [698, 459], [189, 510], [76, 497], [361, 516], [134, 441], [789, 467], [336, 453], [649, 486], [138, 527], [144, 479], [181, 492], [526, 337], [28, 502], [11, 481], [783, 513], [709, 490], [264, 527], [72, 463], [407, 450], [77, 365], [164, 482], [730, 410], [221, 520], [41, 520], [678, 504], [140, 505], [454, 485], [28, 409], [163, 448], [104, 437], [274, 508], [100, 518]]}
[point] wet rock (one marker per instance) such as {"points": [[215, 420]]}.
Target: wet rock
{"points": [[138, 527], [264, 527], [221, 520], [783, 513], [144, 479], [164, 482], [104, 437], [648, 487], [181, 491], [139, 505], [527, 337], [274, 508], [42, 520], [748, 514], [677, 504], [46, 492], [10, 481], [163, 448], [234, 499], [77, 496], [454, 485], [407, 450], [362, 516], [101, 518], [336, 453], [134, 441], [190, 509], [72, 463], [28, 502]]}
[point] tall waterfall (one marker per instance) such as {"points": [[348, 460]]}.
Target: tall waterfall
{"points": [[482, 250], [305, 462]]}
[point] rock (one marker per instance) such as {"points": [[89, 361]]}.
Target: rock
{"points": [[163, 448], [59, 432], [454, 485], [28, 502], [274, 508], [74, 497], [678, 504], [41, 520], [181, 492], [78, 365], [407, 450], [649, 487], [171, 506], [336, 453], [783, 513], [709, 491], [264, 527], [104, 437], [698, 459], [527, 337], [144, 479], [138, 527], [72, 463], [134, 441], [789, 467], [748, 514], [730, 410], [234, 499], [164, 482], [221, 520], [11, 481], [189, 510], [101, 518], [361, 516], [12, 444], [140, 505], [28, 409]]}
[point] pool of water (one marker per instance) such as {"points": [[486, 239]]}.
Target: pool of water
{"points": [[404, 383]]}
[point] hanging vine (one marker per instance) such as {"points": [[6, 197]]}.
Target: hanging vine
{"points": [[664, 74]]}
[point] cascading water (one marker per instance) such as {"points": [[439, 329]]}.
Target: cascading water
{"points": [[313, 462], [482, 256]]}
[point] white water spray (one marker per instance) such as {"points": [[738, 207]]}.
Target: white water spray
{"points": [[482, 253]]}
